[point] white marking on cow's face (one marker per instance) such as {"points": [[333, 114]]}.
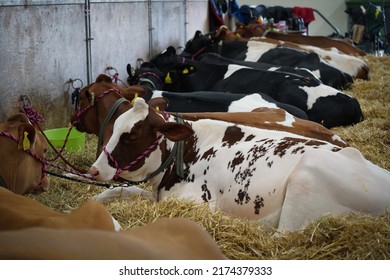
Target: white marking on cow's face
{"points": [[313, 93], [124, 123], [232, 68], [250, 102], [257, 49]]}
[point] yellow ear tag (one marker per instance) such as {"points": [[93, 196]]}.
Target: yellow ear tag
{"points": [[135, 96], [192, 68], [185, 71], [92, 98], [157, 108], [25, 144], [168, 79], [377, 11]]}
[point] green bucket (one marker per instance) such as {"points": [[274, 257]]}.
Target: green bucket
{"points": [[57, 136]]}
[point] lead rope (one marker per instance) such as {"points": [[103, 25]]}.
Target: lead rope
{"points": [[180, 151], [35, 118], [105, 123]]}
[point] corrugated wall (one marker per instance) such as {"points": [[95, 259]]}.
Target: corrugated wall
{"points": [[43, 45]]}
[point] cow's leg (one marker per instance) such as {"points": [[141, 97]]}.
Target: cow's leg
{"points": [[336, 183], [123, 192]]}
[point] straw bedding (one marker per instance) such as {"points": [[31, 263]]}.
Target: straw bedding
{"points": [[347, 237]]}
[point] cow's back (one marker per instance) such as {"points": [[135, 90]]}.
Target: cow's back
{"points": [[19, 212], [334, 183], [174, 238]]}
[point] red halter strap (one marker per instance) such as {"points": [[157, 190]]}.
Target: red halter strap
{"points": [[143, 155], [81, 112]]}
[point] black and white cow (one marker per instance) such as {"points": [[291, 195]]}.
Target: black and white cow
{"points": [[322, 104], [203, 101], [331, 67], [289, 57], [277, 178]]}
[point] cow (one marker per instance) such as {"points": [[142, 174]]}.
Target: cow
{"points": [[349, 64], [264, 117], [203, 101], [21, 212], [254, 29], [163, 239], [309, 95], [276, 178], [22, 150], [229, 45], [287, 57]]}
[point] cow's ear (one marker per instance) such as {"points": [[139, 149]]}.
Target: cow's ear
{"points": [[130, 70], [133, 91], [198, 33], [26, 136], [175, 131], [103, 78], [171, 50]]}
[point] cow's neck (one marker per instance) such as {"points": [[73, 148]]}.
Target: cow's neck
{"points": [[176, 171]]}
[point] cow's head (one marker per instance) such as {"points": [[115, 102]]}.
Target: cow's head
{"points": [[252, 29], [138, 144], [147, 75], [96, 100], [166, 60], [201, 44], [22, 151], [90, 112]]}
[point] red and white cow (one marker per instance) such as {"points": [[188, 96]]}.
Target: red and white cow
{"points": [[22, 149], [350, 64], [278, 178], [254, 29]]}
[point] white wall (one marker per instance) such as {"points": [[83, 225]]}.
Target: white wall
{"points": [[43, 45], [333, 10]]}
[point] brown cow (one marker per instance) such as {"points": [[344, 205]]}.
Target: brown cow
{"points": [[30, 230], [174, 238], [19, 212], [22, 154], [257, 30], [264, 117]]}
